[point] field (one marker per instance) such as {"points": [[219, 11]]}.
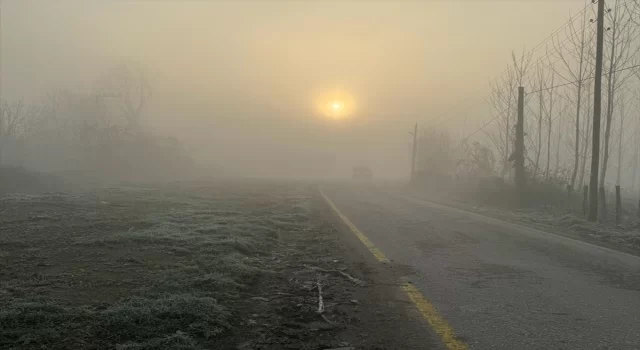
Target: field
{"points": [[234, 266]]}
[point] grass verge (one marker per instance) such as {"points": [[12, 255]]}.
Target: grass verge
{"points": [[134, 268]]}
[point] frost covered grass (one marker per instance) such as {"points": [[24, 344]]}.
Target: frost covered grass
{"points": [[135, 268], [626, 236], [547, 208]]}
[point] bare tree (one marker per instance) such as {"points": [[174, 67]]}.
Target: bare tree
{"points": [[16, 120], [477, 161], [581, 40], [620, 40], [549, 115], [128, 84], [633, 6], [520, 66], [636, 157], [541, 84], [502, 99], [11, 122], [622, 96], [560, 132], [586, 133]]}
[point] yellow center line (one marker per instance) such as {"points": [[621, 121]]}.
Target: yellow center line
{"points": [[436, 321], [364, 239], [428, 311]]}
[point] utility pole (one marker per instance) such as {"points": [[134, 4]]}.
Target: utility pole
{"points": [[597, 101], [519, 149], [1, 97], [413, 153]]}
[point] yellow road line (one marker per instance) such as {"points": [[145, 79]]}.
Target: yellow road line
{"points": [[427, 310], [436, 321], [364, 239]]}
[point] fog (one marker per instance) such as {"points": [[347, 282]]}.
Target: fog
{"points": [[332, 174], [239, 83]]}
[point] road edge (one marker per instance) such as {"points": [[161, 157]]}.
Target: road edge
{"points": [[504, 223], [431, 318]]}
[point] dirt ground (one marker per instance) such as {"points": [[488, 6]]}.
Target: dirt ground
{"points": [[225, 266]]}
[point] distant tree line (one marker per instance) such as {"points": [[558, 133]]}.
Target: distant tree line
{"points": [[94, 137]]}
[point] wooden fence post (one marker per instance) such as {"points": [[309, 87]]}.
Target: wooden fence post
{"points": [[602, 198], [585, 200], [618, 206]]}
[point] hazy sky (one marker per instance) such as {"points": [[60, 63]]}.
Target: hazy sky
{"points": [[239, 82]]}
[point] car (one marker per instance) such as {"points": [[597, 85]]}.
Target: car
{"points": [[362, 173]]}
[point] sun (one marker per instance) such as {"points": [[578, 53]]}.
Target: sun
{"points": [[335, 104]]}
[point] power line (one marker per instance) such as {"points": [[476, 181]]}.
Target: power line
{"points": [[619, 4], [529, 54], [570, 21], [588, 78], [539, 60], [485, 125], [549, 88], [484, 99], [556, 49]]}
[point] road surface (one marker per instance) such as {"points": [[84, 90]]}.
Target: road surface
{"points": [[498, 285]]}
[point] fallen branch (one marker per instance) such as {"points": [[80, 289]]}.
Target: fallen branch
{"points": [[320, 301], [352, 279], [348, 276], [326, 319]]}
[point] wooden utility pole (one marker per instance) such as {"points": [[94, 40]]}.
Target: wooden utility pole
{"points": [[597, 101], [519, 148], [413, 153]]}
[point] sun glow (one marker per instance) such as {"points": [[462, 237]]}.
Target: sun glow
{"points": [[335, 104]]}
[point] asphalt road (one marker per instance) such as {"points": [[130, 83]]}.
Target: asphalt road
{"points": [[498, 285]]}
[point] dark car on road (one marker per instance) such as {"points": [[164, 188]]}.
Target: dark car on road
{"points": [[362, 173]]}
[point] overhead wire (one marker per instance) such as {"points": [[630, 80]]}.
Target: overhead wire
{"points": [[560, 46], [588, 78], [437, 120]]}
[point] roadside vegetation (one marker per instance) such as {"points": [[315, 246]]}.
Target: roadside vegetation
{"points": [[469, 177], [529, 159], [155, 268], [547, 143]]}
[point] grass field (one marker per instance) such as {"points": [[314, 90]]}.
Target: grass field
{"points": [[177, 267]]}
